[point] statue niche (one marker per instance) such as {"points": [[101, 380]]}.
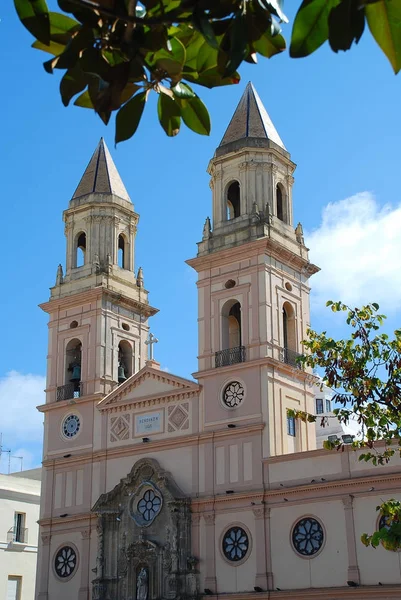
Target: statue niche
{"points": [[144, 539]]}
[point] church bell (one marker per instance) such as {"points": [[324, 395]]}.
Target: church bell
{"points": [[121, 374], [76, 374]]}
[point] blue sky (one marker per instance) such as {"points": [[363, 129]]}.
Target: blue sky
{"points": [[339, 117]]}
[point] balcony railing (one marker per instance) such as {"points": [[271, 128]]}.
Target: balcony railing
{"points": [[70, 390], [290, 358], [230, 356], [17, 535]]}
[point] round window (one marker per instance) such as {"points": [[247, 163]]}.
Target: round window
{"points": [[235, 544], [149, 505], [233, 394], [307, 536], [65, 562], [71, 426]]}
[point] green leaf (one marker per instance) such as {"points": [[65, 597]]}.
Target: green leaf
{"points": [[52, 48], [73, 82], [195, 115], [201, 22], [311, 28], [84, 101], [34, 15], [269, 45], [182, 90], [128, 117], [384, 20], [234, 46], [346, 24], [62, 27], [169, 112]]}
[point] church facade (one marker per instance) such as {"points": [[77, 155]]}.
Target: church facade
{"points": [[160, 487]]}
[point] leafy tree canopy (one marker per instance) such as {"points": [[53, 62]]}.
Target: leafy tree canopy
{"points": [[364, 372], [115, 52]]}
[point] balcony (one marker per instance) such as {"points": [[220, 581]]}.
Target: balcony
{"points": [[230, 356], [17, 535], [69, 391], [290, 358]]}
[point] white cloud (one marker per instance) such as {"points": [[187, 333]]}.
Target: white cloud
{"points": [[358, 248], [21, 424]]}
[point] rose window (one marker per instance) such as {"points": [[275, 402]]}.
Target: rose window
{"points": [[235, 544], [71, 426], [233, 394], [65, 561], [307, 536], [149, 505]]}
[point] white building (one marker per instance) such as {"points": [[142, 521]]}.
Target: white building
{"points": [[327, 424], [19, 513]]}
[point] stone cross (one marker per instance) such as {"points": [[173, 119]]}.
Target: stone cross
{"points": [[152, 340]]}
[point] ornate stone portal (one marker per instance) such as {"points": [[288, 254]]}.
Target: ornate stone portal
{"points": [[144, 539]]}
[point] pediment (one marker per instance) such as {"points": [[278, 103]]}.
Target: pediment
{"points": [[146, 384]]}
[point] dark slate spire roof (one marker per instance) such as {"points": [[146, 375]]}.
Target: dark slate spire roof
{"points": [[250, 120], [101, 176]]}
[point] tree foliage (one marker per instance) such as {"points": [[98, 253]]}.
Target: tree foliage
{"points": [[115, 52], [364, 372]]}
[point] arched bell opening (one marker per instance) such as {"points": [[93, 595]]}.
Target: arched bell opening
{"points": [[80, 249], [73, 364], [122, 259], [281, 203], [233, 201], [125, 359]]}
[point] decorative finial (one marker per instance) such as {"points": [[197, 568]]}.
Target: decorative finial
{"points": [[139, 278], [108, 263], [149, 342], [299, 233], [96, 263], [59, 276], [255, 212], [268, 214], [207, 230]]}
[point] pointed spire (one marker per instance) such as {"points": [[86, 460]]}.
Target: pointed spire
{"points": [[101, 176], [250, 120], [59, 276], [139, 277]]}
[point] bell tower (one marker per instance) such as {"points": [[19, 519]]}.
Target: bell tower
{"points": [[253, 286], [98, 308]]}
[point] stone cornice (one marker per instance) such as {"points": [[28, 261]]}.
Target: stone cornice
{"points": [[73, 401], [265, 245], [268, 361], [153, 446], [92, 295]]}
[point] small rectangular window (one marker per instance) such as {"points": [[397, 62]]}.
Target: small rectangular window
{"points": [[14, 585], [319, 406], [19, 527], [328, 405], [291, 425]]}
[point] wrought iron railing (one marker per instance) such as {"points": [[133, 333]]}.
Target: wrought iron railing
{"points": [[70, 390], [17, 534], [230, 356], [290, 358]]}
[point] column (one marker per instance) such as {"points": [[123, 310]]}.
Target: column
{"points": [[43, 566], [83, 593], [260, 548], [353, 569], [210, 551], [270, 582]]}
